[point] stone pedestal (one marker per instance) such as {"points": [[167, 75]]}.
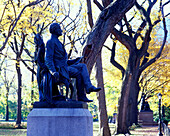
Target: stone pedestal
{"points": [[60, 122], [146, 119]]}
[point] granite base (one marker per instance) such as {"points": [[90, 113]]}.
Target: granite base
{"points": [[60, 122]]}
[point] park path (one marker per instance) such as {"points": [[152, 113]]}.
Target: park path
{"points": [[146, 131]]}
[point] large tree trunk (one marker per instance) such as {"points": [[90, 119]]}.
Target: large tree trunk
{"points": [[127, 106], [103, 118], [127, 110], [133, 100], [18, 122]]}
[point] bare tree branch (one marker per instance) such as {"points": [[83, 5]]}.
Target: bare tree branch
{"points": [[112, 60], [156, 87], [3, 60], [144, 12], [129, 28], [16, 45], [72, 46], [124, 39], [13, 9], [107, 47], [98, 5], [89, 13], [161, 48], [10, 85], [26, 65], [4, 11], [138, 32], [22, 44], [28, 53], [147, 38]]}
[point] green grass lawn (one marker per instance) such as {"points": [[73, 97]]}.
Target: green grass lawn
{"points": [[8, 130]]}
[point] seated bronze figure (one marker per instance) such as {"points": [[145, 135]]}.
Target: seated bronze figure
{"points": [[58, 69]]}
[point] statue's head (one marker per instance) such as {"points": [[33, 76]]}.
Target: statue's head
{"points": [[55, 29]]}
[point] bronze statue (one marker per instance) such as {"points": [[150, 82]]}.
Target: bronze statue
{"points": [[60, 69], [144, 105]]}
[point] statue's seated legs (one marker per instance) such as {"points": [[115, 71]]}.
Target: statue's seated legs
{"points": [[80, 71]]}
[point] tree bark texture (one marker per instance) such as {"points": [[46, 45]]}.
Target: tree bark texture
{"points": [[108, 18], [103, 118], [127, 105]]}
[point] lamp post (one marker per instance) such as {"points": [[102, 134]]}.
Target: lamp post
{"points": [[160, 97]]}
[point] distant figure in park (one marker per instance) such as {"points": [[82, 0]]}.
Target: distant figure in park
{"points": [[145, 105]]}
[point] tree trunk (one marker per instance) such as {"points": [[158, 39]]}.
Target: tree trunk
{"points": [[127, 106], [7, 112], [133, 97], [122, 126], [18, 122], [7, 107], [32, 86], [103, 118]]}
